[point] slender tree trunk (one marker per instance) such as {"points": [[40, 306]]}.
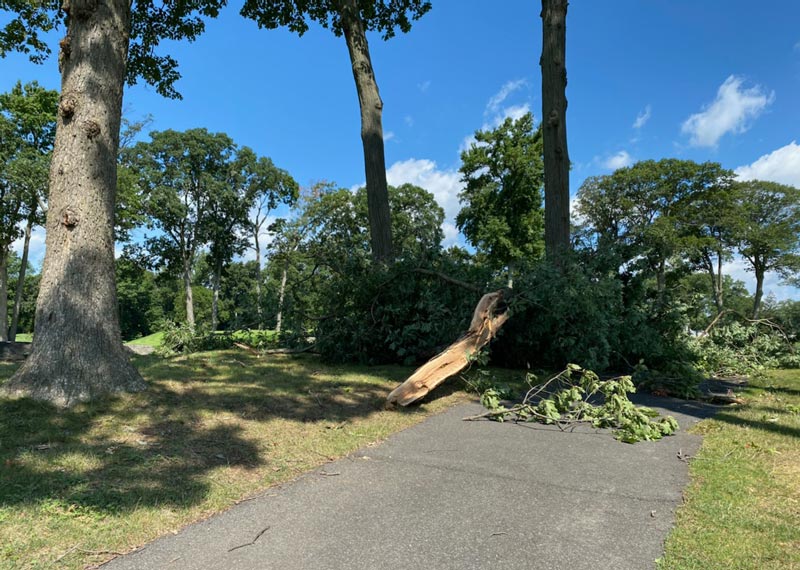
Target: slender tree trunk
{"points": [[259, 314], [77, 351], [371, 106], [718, 285], [215, 296], [281, 296], [23, 268], [716, 281], [759, 271], [4, 293], [554, 116], [187, 288], [661, 279]]}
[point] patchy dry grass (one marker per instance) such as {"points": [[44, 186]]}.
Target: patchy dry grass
{"points": [[742, 509], [78, 485]]}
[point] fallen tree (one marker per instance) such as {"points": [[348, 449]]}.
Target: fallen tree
{"points": [[489, 316]]}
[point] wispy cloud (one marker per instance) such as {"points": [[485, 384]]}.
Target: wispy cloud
{"points": [[408, 120], [642, 118], [781, 165], [424, 86], [493, 106], [388, 135], [734, 108], [619, 160]]}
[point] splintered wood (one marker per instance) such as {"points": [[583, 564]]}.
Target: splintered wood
{"points": [[455, 357]]}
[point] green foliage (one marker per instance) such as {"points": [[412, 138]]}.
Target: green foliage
{"points": [[569, 397], [151, 22], [381, 16], [560, 315], [503, 176], [743, 349], [179, 337]]}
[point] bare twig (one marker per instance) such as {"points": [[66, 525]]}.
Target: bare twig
{"points": [[73, 549], [252, 542], [449, 279]]}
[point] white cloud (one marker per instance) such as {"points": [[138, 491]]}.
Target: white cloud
{"points": [[443, 184], [515, 112], [388, 135], [619, 160], [642, 118], [408, 120], [731, 112], [424, 86], [781, 165], [493, 106], [797, 47]]}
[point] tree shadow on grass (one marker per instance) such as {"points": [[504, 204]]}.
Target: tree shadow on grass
{"points": [[773, 427], [157, 447]]}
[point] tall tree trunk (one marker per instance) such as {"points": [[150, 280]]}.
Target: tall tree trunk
{"points": [[371, 105], [187, 288], [759, 271], [281, 296], [4, 293], [716, 280], [554, 116], [77, 351], [215, 296], [23, 268], [661, 279], [259, 314]]}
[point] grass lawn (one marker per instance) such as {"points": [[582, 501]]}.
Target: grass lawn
{"points": [[149, 340], [24, 337], [742, 508], [78, 485]]}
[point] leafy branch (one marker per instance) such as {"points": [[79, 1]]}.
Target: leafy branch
{"points": [[568, 398]]}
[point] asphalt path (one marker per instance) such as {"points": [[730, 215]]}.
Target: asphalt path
{"points": [[450, 494]]}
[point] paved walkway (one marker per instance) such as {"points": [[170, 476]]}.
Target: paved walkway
{"points": [[449, 494]]}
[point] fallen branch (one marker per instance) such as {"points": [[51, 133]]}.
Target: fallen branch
{"points": [[308, 348], [449, 279], [457, 356], [249, 349]]}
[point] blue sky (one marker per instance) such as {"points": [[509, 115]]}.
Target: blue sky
{"points": [[702, 80]]}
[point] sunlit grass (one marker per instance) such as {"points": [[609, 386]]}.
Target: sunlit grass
{"points": [[742, 509], [212, 429], [149, 340]]}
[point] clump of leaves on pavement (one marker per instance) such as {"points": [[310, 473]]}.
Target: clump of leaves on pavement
{"points": [[576, 395]]}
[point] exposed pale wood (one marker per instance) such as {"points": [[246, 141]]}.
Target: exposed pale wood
{"points": [[456, 357]]}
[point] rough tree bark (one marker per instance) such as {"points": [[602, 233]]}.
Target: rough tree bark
{"points": [[215, 296], [187, 288], [281, 297], [456, 357], [371, 106], [4, 293], [21, 280], [759, 294], [554, 117], [77, 351], [258, 277]]}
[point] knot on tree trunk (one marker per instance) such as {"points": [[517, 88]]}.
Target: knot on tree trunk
{"points": [[69, 218], [64, 51], [67, 105], [91, 128]]}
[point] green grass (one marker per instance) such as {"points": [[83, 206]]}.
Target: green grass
{"points": [[742, 508], [212, 428], [149, 340], [24, 337]]}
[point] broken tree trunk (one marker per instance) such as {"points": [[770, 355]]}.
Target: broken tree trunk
{"points": [[456, 357]]}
